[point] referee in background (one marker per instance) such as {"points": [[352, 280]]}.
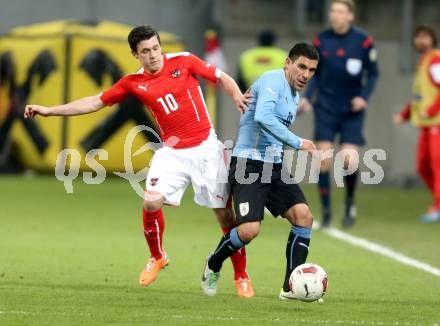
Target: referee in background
{"points": [[344, 82]]}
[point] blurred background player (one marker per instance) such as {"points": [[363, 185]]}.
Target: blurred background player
{"points": [[257, 60], [167, 85], [424, 112], [258, 153], [344, 82]]}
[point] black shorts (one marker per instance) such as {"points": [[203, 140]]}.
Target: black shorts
{"points": [[271, 191]]}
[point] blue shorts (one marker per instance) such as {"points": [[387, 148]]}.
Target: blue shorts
{"points": [[348, 125]]}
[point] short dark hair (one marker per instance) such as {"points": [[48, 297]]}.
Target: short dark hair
{"points": [[141, 33], [266, 38], [303, 49], [427, 30], [348, 3]]}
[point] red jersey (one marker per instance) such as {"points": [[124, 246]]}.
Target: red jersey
{"points": [[173, 96]]}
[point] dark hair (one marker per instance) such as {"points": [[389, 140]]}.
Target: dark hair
{"points": [[141, 33], [305, 50], [348, 3], [427, 30], [266, 38]]}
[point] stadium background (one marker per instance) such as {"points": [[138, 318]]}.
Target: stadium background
{"points": [[74, 259], [389, 22]]}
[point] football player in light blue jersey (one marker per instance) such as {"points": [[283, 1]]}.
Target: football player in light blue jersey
{"points": [[263, 131], [264, 127]]}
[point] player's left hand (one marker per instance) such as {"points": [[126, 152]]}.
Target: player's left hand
{"points": [[243, 100], [304, 106], [309, 146], [358, 104]]}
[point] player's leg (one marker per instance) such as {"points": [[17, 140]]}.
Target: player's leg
{"points": [[351, 140], [243, 285], [423, 161], [324, 183], [214, 193], [153, 222], [298, 242], [166, 183], [350, 153], [434, 164], [288, 200], [231, 242], [249, 201], [154, 226], [326, 126]]}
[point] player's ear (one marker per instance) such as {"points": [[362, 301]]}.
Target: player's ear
{"points": [[134, 54], [351, 17]]}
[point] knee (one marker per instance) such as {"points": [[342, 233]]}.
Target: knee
{"points": [[248, 231], [304, 218], [153, 201], [300, 215], [152, 206], [225, 217], [351, 162], [325, 155], [351, 158], [326, 165]]}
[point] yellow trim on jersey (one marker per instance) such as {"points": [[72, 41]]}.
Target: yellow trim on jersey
{"points": [[424, 92]]}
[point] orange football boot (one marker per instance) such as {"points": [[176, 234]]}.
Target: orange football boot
{"points": [[150, 272], [244, 288]]}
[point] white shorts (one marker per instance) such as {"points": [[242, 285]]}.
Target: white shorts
{"points": [[204, 166]]}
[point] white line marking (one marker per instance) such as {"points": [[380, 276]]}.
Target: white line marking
{"points": [[382, 250], [298, 320], [14, 312], [232, 318]]}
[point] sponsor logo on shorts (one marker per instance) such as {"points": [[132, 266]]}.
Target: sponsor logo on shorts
{"points": [[220, 197], [244, 208], [154, 181]]}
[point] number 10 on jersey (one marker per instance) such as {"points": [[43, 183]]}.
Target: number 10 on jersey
{"points": [[169, 103]]}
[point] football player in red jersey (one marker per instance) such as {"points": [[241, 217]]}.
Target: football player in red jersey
{"points": [[424, 112], [168, 86]]}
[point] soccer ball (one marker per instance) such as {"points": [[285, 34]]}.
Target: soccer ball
{"points": [[308, 282]]}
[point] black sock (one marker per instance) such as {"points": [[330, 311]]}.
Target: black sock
{"points": [[297, 250], [324, 191], [229, 244], [350, 185]]}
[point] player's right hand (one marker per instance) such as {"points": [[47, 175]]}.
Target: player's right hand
{"points": [[397, 119], [309, 146], [32, 110], [243, 100]]}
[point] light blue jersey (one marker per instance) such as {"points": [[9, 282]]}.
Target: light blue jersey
{"points": [[264, 127]]}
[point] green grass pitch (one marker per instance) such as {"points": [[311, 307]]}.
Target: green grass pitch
{"points": [[75, 258]]}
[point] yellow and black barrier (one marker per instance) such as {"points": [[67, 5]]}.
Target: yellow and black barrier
{"points": [[58, 62]]}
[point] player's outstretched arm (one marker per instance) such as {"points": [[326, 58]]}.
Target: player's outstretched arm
{"points": [[82, 106], [230, 86], [403, 116]]}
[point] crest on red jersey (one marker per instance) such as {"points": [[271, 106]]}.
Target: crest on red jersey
{"points": [[176, 73]]}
